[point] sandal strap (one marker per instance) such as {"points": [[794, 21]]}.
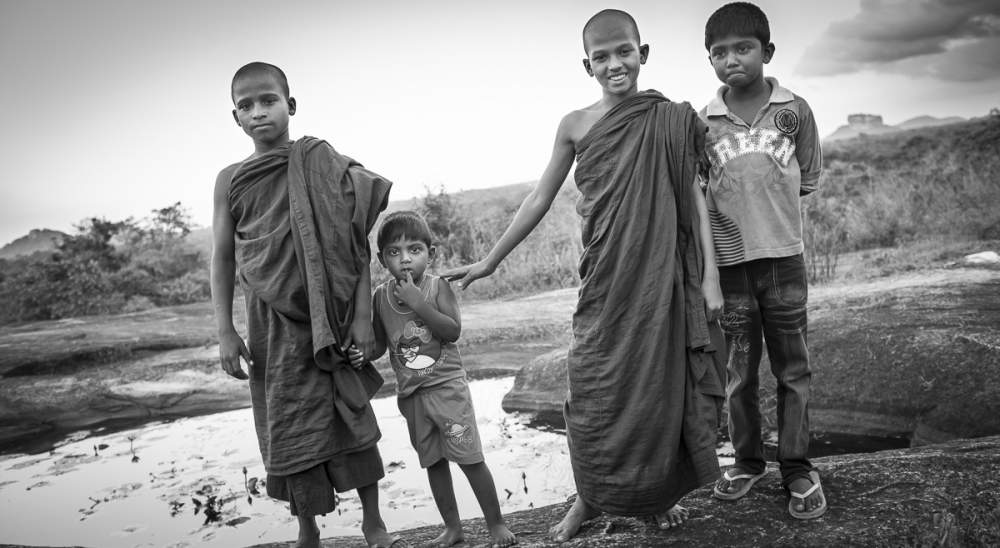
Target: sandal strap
{"points": [[731, 479], [808, 492]]}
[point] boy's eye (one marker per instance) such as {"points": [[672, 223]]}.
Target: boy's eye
{"points": [[392, 252]]}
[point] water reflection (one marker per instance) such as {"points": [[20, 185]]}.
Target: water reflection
{"points": [[182, 483]]}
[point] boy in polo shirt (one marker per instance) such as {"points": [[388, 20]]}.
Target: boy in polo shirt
{"points": [[763, 154]]}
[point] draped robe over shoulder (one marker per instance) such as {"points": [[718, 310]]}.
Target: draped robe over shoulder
{"points": [[645, 369], [302, 215]]}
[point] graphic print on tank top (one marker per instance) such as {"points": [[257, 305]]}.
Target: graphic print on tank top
{"points": [[416, 349]]}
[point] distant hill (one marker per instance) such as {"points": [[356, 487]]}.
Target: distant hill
{"points": [[38, 240], [872, 124], [485, 201]]}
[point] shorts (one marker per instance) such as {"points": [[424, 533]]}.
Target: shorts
{"points": [[313, 491], [442, 423]]}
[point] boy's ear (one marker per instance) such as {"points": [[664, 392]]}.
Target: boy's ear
{"points": [[291, 106], [237, 118], [643, 53], [586, 66], [431, 252], [768, 52], [381, 261]]}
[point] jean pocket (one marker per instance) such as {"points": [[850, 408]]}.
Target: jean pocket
{"points": [[789, 278]]}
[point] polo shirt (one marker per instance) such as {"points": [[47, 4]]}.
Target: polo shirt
{"points": [[758, 173]]}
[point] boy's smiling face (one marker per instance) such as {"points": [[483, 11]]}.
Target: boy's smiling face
{"points": [[614, 56], [262, 109], [739, 61], [404, 256]]}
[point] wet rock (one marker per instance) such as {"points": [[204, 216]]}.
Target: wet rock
{"points": [[936, 495], [914, 356]]}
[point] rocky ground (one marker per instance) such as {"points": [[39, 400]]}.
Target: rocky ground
{"points": [[915, 355], [945, 495]]}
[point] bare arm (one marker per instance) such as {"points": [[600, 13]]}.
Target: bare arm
{"points": [[442, 318], [710, 278], [379, 330], [361, 334], [534, 207], [223, 276]]}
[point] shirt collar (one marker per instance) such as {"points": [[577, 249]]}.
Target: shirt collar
{"points": [[717, 107]]}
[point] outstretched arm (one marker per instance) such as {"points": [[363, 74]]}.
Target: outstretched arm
{"points": [[535, 205], [231, 346]]}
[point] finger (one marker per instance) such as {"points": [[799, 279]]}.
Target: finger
{"points": [[240, 374], [347, 342], [245, 352], [409, 277]]}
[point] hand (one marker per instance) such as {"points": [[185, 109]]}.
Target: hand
{"points": [[356, 356], [713, 298], [231, 347], [467, 274], [407, 292], [361, 337]]}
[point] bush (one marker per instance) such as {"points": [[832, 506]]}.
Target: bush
{"points": [[107, 267]]}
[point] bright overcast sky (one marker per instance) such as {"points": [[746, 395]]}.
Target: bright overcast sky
{"points": [[116, 107]]}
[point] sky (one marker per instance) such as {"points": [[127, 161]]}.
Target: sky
{"points": [[118, 107]]}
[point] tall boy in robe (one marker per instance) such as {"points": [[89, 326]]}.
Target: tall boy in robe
{"points": [[294, 218], [645, 387]]}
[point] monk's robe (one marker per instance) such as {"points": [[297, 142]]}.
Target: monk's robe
{"points": [[302, 216], [645, 369]]}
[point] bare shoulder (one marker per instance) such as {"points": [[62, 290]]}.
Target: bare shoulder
{"points": [[225, 176], [577, 123]]}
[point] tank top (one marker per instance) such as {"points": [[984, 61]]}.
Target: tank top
{"points": [[418, 358]]}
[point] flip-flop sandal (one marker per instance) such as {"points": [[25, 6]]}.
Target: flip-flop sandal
{"points": [[815, 512], [750, 480]]}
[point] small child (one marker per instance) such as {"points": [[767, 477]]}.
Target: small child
{"points": [[764, 153], [417, 319]]}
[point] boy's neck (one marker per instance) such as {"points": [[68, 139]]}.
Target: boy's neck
{"points": [[262, 148], [610, 100], [759, 89]]}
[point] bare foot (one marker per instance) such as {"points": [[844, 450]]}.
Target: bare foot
{"points": [[571, 522], [502, 536], [308, 533], [378, 537], [672, 517], [449, 537], [810, 503]]}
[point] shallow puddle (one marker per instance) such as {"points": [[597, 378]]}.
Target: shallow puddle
{"points": [[182, 483]]}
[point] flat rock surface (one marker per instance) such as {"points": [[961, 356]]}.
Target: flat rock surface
{"points": [[122, 370], [937, 495], [914, 355]]}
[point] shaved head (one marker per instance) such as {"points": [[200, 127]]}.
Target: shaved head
{"points": [[258, 67], [607, 18]]}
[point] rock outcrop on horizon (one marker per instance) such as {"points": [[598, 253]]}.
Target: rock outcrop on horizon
{"points": [[872, 124]]}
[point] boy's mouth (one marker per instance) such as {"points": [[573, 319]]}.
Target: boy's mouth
{"points": [[618, 77]]}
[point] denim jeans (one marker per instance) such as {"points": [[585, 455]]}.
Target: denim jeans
{"points": [[765, 303]]}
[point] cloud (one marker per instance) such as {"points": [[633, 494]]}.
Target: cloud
{"points": [[947, 39]]}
